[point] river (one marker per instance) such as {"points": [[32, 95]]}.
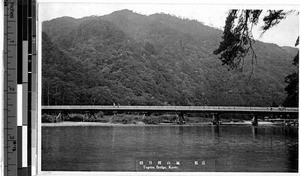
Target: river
{"points": [[227, 148]]}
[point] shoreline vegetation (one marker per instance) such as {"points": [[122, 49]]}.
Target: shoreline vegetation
{"points": [[101, 119]]}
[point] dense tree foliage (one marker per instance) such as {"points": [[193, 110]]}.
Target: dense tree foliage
{"points": [[130, 59], [292, 80], [238, 42]]}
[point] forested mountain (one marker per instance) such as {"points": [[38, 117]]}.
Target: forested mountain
{"points": [[132, 59]]}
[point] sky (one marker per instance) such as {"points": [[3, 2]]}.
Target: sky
{"points": [[211, 14]]}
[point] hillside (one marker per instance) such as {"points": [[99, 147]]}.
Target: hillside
{"points": [[131, 59]]}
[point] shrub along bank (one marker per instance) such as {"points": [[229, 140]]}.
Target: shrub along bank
{"points": [[154, 118]]}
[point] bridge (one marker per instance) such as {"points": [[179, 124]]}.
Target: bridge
{"points": [[180, 110], [208, 109]]}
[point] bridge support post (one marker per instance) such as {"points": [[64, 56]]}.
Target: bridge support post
{"points": [[254, 120], [216, 119], [181, 119], [57, 117], [63, 116]]}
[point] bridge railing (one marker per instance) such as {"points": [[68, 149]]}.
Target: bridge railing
{"points": [[173, 108]]}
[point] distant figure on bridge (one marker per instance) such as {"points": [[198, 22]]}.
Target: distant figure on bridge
{"points": [[280, 107], [254, 121], [114, 104]]}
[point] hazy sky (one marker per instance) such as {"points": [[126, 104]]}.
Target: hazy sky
{"points": [[212, 14]]}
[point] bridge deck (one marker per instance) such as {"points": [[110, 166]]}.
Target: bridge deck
{"points": [[176, 108]]}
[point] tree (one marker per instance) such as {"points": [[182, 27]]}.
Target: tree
{"points": [[293, 84], [238, 42]]}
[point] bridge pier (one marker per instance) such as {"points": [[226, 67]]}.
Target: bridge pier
{"points": [[216, 119], [181, 119], [254, 132], [254, 120], [215, 131], [57, 117]]}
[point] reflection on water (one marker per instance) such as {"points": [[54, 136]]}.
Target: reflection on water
{"points": [[188, 148]]}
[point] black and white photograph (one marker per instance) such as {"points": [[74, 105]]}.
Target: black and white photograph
{"points": [[168, 87]]}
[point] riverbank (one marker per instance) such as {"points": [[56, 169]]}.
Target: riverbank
{"points": [[68, 123], [134, 119], [86, 124], [114, 124], [138, 120]]}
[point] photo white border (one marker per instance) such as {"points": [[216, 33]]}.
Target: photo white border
{"points": [[36, 136]]}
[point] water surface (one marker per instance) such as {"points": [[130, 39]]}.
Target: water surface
{"points": [[170, 148]]}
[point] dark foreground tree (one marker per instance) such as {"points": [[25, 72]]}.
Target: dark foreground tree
{"points": [[292, 88], [238, 42]]}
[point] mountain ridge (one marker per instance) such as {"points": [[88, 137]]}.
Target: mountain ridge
{"points": [[161, 59]]}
